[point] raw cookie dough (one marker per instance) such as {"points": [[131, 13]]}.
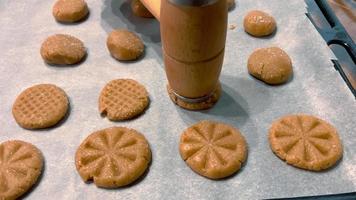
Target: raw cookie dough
{"points": [[40, 106], [140, 10], [70, 10], [124, 45], [305, 141], [258, 23], [123, 99], [62, 49], [214, 150], [113, 157], [271, 65], [21, 164]]}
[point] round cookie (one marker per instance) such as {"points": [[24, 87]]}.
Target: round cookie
{"points": [[21, 164], [214, 150], [123, 99], [70, 10], [40, 106], [140, 10], [305, 141], [259, 23], [124, 45], [62, 49], [206, 104], [271, 65], [113, 157]]}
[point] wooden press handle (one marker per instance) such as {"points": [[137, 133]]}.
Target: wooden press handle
{"points": [[154, 6]]}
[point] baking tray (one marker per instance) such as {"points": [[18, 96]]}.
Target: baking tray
{"points": [[336, 36], [246, 103]]}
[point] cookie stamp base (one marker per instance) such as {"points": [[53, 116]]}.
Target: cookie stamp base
{"points": [[202, 105]]}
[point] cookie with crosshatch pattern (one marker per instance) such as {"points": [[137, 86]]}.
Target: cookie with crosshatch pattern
{"points": [[113, 157], [40, 106], [305, 141], [123, 99], [21, 164], [214, 150]]}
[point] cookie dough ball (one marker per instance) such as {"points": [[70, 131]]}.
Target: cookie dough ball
{"points": [[70, 10], [124, 45], [271, 65], [62, 49], [230, 4], [140, 10], [258, 23]]}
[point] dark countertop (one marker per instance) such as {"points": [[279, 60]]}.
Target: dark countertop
{"points": [[345, 10]]}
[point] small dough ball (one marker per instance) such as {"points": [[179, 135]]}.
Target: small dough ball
{"points": [[124, 45], [70, 10], [140, 10], [230, 4], [258, 23], [62, 49], [271, 65]]}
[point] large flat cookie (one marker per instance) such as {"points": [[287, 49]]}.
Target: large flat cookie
{"points": [[305, 141], [214, 150], [113, 157], [20, 166], [40, 106]]}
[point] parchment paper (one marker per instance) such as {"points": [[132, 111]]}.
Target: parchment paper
{"points": [[246, 103]]}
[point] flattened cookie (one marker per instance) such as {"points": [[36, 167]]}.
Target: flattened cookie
{"points": [[259, 23], [40, 106], [124, 45], [123, 99], [305, 141], [214, 150], [70, 10], [113, 157], [271, 65], [62, 49], [21, 164], [140, 10]]}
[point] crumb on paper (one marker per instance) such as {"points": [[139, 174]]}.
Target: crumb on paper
{"points": [[232, 26]]}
